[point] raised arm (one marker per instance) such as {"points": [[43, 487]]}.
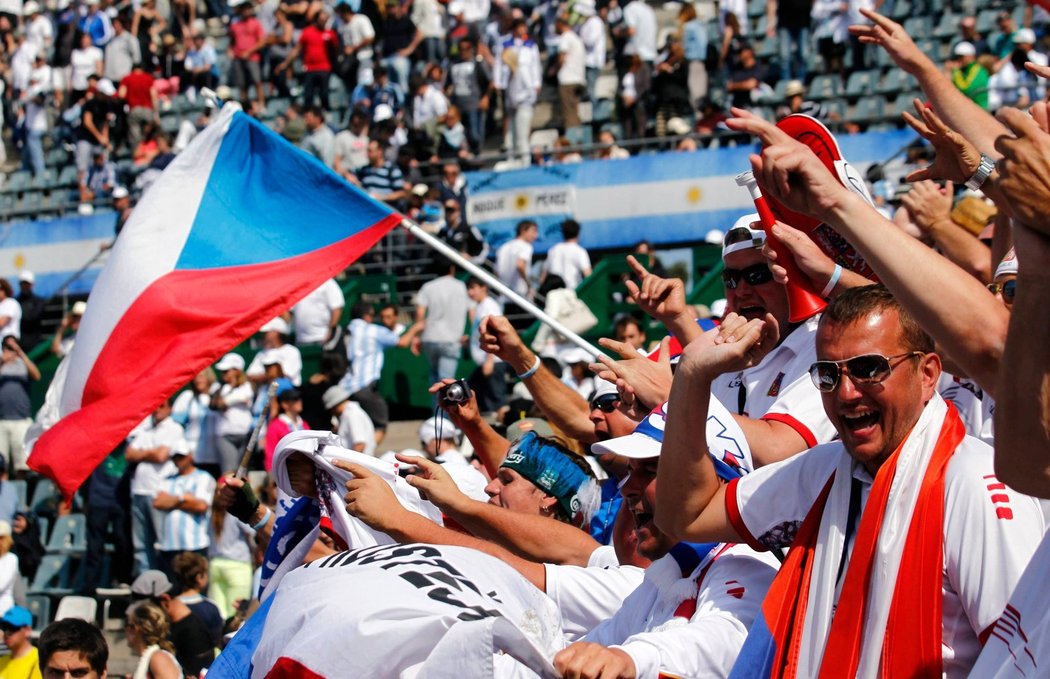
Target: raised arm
{"points": [[537, 538], [948, 302], [372, 500], [690, 499], [561, 405], [955, 107], [1022, 414]]}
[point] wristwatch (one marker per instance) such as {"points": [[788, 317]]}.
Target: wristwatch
{"points": [[984, 169]]}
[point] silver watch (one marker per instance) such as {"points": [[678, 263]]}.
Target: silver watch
{"points": [[985, 168]]}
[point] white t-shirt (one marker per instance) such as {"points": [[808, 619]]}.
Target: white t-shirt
{"points": [[507, 257], [447, 304], [587, 596], [428, 106], [82, 63], [572, 69], [728, 598], [990, 532], [287, 355], [486, 307], [351, 150], [8, 577], [976, 408], [642, 19], [356, 427], [593, 35], [40, 32], [469, 480], [357, 31], [385, 611], [779, 388], [1018, 644], [150, 476], [312, 314], [13, 311], [236, 419], [569, 261]]}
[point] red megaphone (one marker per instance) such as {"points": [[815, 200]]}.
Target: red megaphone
{"points": [[803, 300]]}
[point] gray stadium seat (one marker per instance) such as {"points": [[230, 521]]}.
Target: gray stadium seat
{"points": [[69, 535], [40, 606]]}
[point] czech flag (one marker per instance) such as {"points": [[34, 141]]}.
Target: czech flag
{"points": [[240, 227]]}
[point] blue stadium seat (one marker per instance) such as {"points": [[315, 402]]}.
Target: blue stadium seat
{"points": [[868, 109], [901, 10], [861, 83], [44, 180], [579, 135], [40, 606], [18, 181], [68, 176], [69, 536], [603, 110], [57, 157], [44, 495], [53, 576]]}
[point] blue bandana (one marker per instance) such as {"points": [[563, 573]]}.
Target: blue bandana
{"points": [[549, 469]]}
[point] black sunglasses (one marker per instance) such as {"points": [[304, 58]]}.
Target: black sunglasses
{"points": [[757, 274], [864, 369], [1007, 289], [605, 403]]}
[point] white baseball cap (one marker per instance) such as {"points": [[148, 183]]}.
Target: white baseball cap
{"points": [[276, 325], [119, 192], [27, 276], [30, 8], [642, 443], [229, 362], [736, 240], [105, 86], [428, 431], [718, 308], [965, 49], [1024, 36], [79, 308]]}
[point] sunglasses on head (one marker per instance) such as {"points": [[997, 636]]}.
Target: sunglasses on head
{"points": [[864, 369], [605, 403], [756, 274], [1007, 289]]}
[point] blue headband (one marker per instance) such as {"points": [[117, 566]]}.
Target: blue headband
{"points": [[549, 469]]}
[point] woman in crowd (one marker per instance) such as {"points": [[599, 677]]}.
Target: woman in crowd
{"points": [[146, 630], [234, 401], [191, 410], [229, 561], [289, 418]]}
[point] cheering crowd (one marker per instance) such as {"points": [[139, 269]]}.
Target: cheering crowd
{"points": [[856, 492]]}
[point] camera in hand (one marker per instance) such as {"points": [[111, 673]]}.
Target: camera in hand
{"points": [[456, 393]]}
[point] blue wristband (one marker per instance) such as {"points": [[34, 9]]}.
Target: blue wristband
{"points": [[263, 521], [835, 276], [531, 371]]}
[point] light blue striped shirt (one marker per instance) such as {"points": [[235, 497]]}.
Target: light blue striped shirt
{"points": [[365, 349], [184, 531]]}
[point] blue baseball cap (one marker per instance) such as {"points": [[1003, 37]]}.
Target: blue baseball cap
{"points": [[644, 442], [17, 617]]}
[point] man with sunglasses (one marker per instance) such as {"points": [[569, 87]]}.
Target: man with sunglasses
{"points": [[774, 402], [903, 541]]}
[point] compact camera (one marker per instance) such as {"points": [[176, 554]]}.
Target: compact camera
{"points": [[456, 393]]}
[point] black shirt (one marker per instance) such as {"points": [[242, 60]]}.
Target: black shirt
{"points": [[193, 646]]}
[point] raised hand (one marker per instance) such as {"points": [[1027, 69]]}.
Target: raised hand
{"points": [[649, 381], [433, 482], [661, 298], [956, 160], [369, 497], [497, 336], [892, 37], [812, 262], [928, 204], [1024, 170], [740, 344], [788, 171]]}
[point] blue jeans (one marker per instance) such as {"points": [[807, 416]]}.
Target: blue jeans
{"points": [[475, 123], [591, 74], [400, 67], [443, 358], [145, 530], [794, 52], [33, 152]]}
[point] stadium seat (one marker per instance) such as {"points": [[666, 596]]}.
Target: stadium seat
{"points": [[579, 135], [40, 606], [53, 575], [68, 176], [17, 181], [947, 27], [918, 26], [615, 128], [7, 202], [44, 525], [57, 157], [868, 109], [79, 607], [44, 180], [755, 8], [893, 83], [861, 83], [901, 10], [21, 490], [986, 21], [825, 86], [603, 111], [44, 495], [605, 86], [836, 109], [904, 103], [68, 536], [543, 139]]}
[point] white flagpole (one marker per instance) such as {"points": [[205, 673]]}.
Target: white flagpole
{"points": [[498, 285]]}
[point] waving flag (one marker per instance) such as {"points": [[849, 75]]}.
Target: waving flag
{"points": [[239, 228]]}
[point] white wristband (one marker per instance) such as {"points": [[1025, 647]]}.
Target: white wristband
{"points": [[531, 371], [835, 276]]}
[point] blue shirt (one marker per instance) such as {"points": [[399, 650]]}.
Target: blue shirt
{"points": [[603, 520], [694, 40], [364, 349]]}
